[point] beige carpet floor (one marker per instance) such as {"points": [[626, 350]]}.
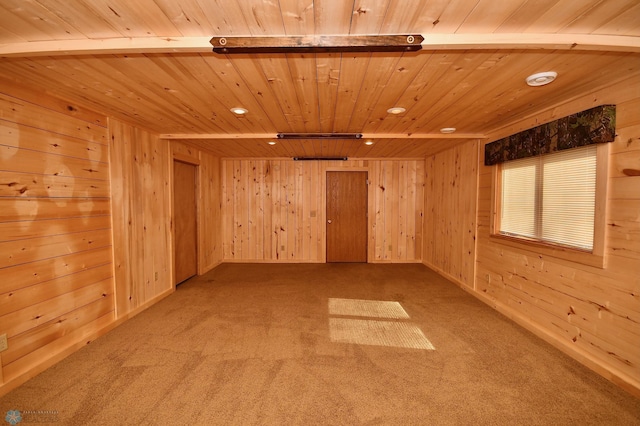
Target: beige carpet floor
{"points": [[320, 344]]}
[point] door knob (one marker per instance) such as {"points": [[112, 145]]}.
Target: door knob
{"points": [[329, 221]]}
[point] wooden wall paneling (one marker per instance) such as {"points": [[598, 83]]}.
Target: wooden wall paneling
{"points": [[210, 224], [23, 251], [138, 263], [49, 331], [332, 17], [450, 213], [55, 231], [237, 197], [19, 112], [27, 296], [275, 212], [488, 17], [388, 200], [349, 84], [377, 184], [227, 17], [22, 136], [32, 273], [380, 71], [407, 216], [294, 210], [205, 71], [140, 168], [234, 197], [303, 73], [297, 17], [286, 169], [226, 171], [277, 227], [42, 28], [250, 74], [276, 71], [404, 73], [589, 312], [122, 220], [420, 198], [396, 221], [119, 74], [157, 223]]}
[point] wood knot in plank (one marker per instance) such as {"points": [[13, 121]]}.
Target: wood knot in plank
{"points": [[631, 172]]}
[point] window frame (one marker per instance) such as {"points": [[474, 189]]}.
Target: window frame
{"points": [[595, 257]]}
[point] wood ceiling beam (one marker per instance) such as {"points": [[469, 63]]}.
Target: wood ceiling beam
{"points": [[608, 43], [365, 136], [432, 42]]}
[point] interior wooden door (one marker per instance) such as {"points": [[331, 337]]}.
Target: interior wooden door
{"points": [[347, 216], [185, 220]]}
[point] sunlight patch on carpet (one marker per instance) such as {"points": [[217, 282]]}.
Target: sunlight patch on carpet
{"points": [[367, 308], [378, 333]]}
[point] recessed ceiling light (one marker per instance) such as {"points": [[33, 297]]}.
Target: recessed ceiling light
{"points": [[271, 143], [239, 110], [541, 78], [396, 110], [368, 143], [447, 130]]}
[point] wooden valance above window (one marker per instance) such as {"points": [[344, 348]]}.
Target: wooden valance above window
{"points": [[595, 125]]}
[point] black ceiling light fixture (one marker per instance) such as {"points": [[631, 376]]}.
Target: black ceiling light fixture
{"points": [[319, 135], [320, 158], [317, 44]]}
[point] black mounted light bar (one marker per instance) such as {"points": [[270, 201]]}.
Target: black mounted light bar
{"points": [[319, 135], [320, 158], [318, 44]]}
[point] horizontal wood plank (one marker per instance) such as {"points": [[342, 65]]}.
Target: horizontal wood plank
{"points": [[29, 185], [25, 161], [51, 208], [33, 249]]}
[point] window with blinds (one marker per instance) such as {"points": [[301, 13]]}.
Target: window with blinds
{"points": [[551, 198]]}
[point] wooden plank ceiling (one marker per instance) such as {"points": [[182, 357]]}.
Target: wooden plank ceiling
{"points": [[149, 62]]}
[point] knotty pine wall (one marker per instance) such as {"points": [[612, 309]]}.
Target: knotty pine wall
{"points": [[591, 313], [141, 205], [451, 185], [274, 211], [56, 286], [70, 185]]}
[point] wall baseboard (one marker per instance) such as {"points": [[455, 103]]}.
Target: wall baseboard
{"points": [[76, 344], [622, 380]]}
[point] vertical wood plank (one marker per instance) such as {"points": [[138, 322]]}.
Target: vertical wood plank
{"points": [[287, 201]]}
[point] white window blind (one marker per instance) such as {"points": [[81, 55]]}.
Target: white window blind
{"points": [[551, 198]]}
